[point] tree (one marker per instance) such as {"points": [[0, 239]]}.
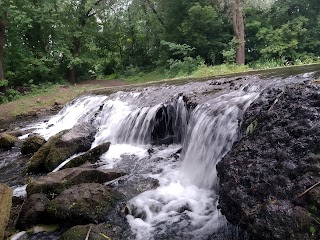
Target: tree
{"points": [[236, 11], [3, 25], [76, 17]]}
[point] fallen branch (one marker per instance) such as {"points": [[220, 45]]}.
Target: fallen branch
{"points": [[88, 233], [309, 189]]}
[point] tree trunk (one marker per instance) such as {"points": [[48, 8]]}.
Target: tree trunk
{"points": [[2, 41], [72, 75], [238, 28]]}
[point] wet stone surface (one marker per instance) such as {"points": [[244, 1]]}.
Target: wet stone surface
{"points": [[263, 176]]}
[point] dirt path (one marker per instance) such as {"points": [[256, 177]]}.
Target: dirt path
{"points": [[50, 100]]}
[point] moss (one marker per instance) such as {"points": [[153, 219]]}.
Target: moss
{"points": [[5, 203], [7, 141], [32, 144], [37, 161], [76, 232], [91, 156]]}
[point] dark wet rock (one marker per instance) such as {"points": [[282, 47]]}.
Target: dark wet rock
{"points": [[97, 232], [7, 141], [54, 183], [60, 147], [277, 159], [91, 156], [32, 144], [33, 211], [16, 206], [83, 203]]}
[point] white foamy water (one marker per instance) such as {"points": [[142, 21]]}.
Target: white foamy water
{"points": [[184, 204], [212, 130]]}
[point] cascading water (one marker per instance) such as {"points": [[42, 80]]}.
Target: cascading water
{"points": [[146, 143]]}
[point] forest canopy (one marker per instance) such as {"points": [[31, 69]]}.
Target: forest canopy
{"points": [[51, 41]]}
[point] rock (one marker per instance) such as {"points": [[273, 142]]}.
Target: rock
{"points": [[33, 211], [263, 176], [91, 156], [5, 203], [83, 203], [37, 161], [77, 139], [101, 231], [32, 144], [60, 147], [7, 141], [54, 183]]}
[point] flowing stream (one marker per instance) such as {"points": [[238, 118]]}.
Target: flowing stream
{"points": [[169, 140], [171, 144]]}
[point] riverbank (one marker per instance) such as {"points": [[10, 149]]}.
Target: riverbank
{"points": [[56, 96]]}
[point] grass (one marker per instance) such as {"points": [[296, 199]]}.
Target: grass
{"points": [[202, 72], [39, 100]]}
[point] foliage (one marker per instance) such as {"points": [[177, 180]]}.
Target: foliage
{"points": [[184, 67], [44, 40]]}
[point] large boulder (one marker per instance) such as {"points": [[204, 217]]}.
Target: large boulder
{"points": [[91, 156], [54, 183], [266, 180], [62, 146], [83, 203], [32, 144], [7, 141], [5, 203], [33, 211]]}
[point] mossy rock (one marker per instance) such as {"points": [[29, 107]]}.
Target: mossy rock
{"points": [[7, 141], [91, 156], [54, 183], [5, 206], [37, 161], [60, 147], [32, 144], [83, 203]]}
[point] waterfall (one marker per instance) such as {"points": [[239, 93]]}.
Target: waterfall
{"points": [[146, 141], [211, 133]]}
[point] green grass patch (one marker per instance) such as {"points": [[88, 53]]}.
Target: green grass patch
{"points": [[211, 71]]}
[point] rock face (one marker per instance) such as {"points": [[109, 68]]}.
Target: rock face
{"points": [[33, 211], [5, 203], [60, 147], [83, 203], [91, 156], [54, 183], [32, 144], [263, 177], [7, 141]]}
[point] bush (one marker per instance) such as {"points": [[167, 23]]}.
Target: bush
{"points": [[183, 67]]}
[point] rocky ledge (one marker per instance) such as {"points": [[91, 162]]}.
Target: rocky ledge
{"points": [[270, 180]]}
